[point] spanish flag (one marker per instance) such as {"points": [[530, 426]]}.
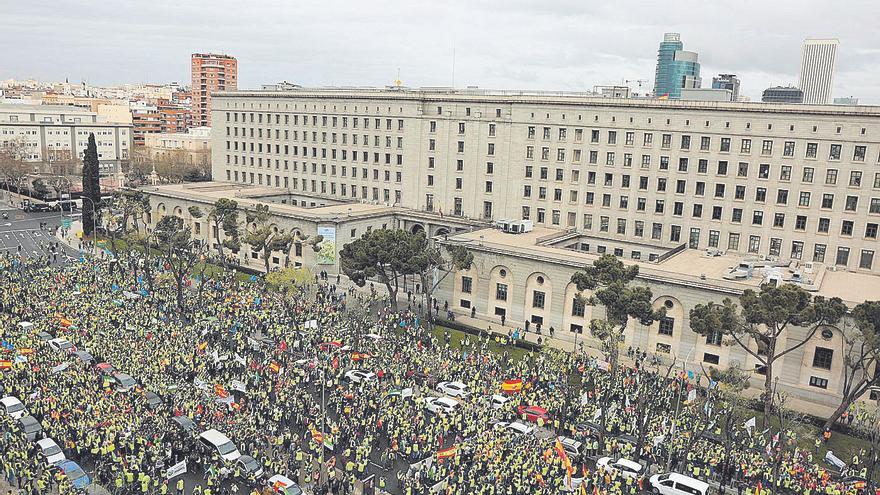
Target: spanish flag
{"points": [[664, 97], [357, 356], [220, 391], [512, 386], [25, 351], [317, 436], [274, 367], [5, 364], [446, 453], [566, 462]]}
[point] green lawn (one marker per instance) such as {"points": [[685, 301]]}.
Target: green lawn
{"points": [[456, 337]]}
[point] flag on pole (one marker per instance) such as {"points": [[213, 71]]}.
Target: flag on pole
{"points": [[446, 453], [274, 367], [512, 386]]}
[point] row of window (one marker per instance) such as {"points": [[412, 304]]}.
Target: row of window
{"points": [[325, 121]]}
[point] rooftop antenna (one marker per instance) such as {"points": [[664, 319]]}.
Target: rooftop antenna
{"points": [[453, 66], [397, 81]]}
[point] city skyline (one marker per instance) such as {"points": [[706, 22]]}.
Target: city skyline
{"points": [[556, 46]]}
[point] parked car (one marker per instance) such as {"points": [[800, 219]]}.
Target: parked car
{"points": [[32, 428], [105, 368], [62, 344], [75, 474], [218, 443], [677, 484], [123, 382], [284, 486], [51, 452], [453, 389], [84, 356], [439, 405], [153, 400], [185, 424], [498, 400], [250, 468], [533, 413], [359, 376], [515, 427], [574, 448], [624, 467], [13, 407]]}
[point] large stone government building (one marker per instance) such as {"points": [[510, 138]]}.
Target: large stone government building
{"points": [[708, 198]]}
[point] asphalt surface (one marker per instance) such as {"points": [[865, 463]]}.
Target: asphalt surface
{"points": [[20, 232]]}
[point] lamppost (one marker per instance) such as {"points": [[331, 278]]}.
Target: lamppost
{"points": [[673, 427]]}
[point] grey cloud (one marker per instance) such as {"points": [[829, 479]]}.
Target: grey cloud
{"points": [[549, 44]]}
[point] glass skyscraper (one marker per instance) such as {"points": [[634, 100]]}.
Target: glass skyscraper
{"points": [[676, 68]]}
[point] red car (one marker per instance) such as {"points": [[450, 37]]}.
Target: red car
{"points": [[105, 368], [532, 413]]}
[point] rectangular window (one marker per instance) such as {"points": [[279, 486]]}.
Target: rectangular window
{"points": [[842, 256], [577, 307], [817, 382], [538, 299], [666, 326], [866, 260], [819, 253], [466, 284], [822, 358], [501, 292]]}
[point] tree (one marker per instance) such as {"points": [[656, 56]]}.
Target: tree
{"points": [[610, 279], [179, 251], [287, 282], [264, 237], [128, 205], [40, 188], [759, 327], [427, 258], [224, 217], [91, 181], [861, 356], [388, 254], [13, 162]]}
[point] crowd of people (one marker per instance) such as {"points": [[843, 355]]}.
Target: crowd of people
{"points": [[272, 371]]}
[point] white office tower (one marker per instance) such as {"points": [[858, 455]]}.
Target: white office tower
{"points": [[818, 62]]}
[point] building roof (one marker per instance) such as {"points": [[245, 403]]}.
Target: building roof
{"points": [[690, 267], [545, 98]]}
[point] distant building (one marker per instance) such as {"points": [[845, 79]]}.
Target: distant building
{"points": [[676, 68], [210, 73], [54, 137], [782, 94], [613, 91], [849, 100], [727, 81], [145, 119], [818, 62], [192, 148], [706, 94]]}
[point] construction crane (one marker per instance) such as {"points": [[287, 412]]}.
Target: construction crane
{"points": [[639, 81]]}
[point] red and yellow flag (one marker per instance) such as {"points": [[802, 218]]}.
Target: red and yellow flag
{"points": [[446, 453], [512, 386], [274, 367], [5, 364], [220, 391], [317, 436], [25, 351]]}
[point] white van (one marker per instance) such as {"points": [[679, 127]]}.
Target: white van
{"points": [[216, 441], [677, 484]]}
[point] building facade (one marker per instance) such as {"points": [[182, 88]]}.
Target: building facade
{"points": [[55, 137], [782, 94], [676, 68], [210, 73], [727, 81], [788, 181], [818, 63], [193, 147]]}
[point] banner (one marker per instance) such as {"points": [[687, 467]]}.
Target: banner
{"points": [[238, 386], [835, 461], [750, 424], [512, 386], [692, 395], [61, 367], [176, 469], [327, 246]]}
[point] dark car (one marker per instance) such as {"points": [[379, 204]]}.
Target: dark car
{"points": [[153, 400], [84, 356], [37, 207], [32, 428], [185, 424]]}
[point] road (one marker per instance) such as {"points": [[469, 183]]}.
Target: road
{"points": [[21, 232]]}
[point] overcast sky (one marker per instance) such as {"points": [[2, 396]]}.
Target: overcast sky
{"points": [[511, 44]]}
